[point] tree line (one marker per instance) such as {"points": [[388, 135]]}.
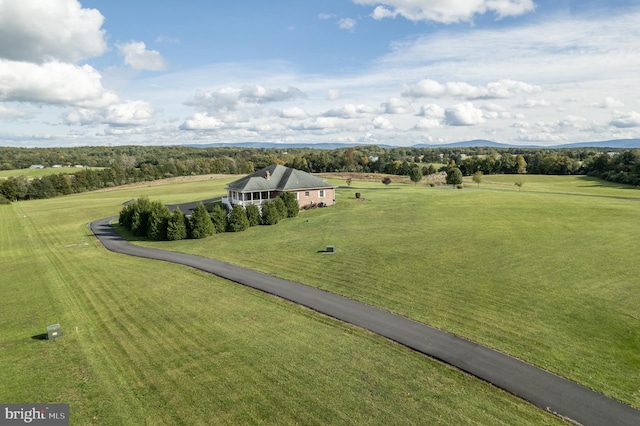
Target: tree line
{"points": [[130, 164]]}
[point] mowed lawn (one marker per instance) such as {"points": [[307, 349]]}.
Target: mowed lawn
{"points": [[148, 342], [548, 274]]}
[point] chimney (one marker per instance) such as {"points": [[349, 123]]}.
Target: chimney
{"points": [[268, 175]]}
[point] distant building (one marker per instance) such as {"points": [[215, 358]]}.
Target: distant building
{"points": [[36, 166], [268, 183]]}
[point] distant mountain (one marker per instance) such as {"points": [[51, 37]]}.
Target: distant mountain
{"points": [[280, 145], [615, 144]]}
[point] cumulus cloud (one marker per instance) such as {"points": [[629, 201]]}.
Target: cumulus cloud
{"points": [[609, 102], [496, 90], [55, 83], [626, 120], [533, 103], [382, 123], [347, 24], [464, 114], [350, 111], [293, 112], [446, 11], [428, 123], [232, 99], [122, 114], [138, 57], [333, 94], [201, 121], [432, 111], [396, 106], [37, 31]]}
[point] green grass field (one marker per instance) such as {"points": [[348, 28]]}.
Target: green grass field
{"points": [[548, 274], [148, 342], [36, 173]]}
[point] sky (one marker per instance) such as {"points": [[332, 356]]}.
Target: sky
{"points": [[393, 72]]}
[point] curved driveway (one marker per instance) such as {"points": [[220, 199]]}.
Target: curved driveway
{"points": [[554, 394]]}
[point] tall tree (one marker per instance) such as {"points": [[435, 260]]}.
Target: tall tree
{"points": [[177, 226], [454, 176], [238, 219], [290, 202]]}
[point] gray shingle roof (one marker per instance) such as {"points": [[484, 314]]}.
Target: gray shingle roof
{"points": [[281, 178]]}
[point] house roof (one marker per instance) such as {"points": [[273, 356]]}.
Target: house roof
{"points": [[277, 178]]}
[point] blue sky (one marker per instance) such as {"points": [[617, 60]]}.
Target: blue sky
{"points": [[397, 72]]}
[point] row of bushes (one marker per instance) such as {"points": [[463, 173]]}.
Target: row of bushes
{"points": [[152, 219]]}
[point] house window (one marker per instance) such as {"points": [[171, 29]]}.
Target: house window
{"points": [[306, 193], [321, 193], [297, 195]]}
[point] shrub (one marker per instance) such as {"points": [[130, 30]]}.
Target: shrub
{"points": [[219, 218], [201, 224], [290, 202], [358, 195], [386, 180], [177, 226], [253, 214], [460, 186], [140, 217], [4, 200], [270, 214], [158, 221], [454, 176], [238, 219], [281, 207]]}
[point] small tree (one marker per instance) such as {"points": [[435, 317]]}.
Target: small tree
{"points": [[238, 219], [280, 207], [219, 218], [270, 214], [477, 177], [349, 181], [454, 176], [140, 216], [386, 180], [177, 226], [290, 202], [201, 224], [253, 214], [158, 221], [415, 174], [519, 184]]}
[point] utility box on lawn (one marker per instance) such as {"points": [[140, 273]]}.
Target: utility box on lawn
{"points": [[331, 249], [54, 331]]}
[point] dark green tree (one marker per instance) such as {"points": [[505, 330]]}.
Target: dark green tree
{"points": [[415, 174], [140, 216], [238, 219], [219, 218], [454, 176], [253, 214], [290, 202], [201, 224], [177, 226], [270, 214], [280, 207], [158, 221]]}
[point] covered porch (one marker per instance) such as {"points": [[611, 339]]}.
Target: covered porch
{"points": [[246, 198]]}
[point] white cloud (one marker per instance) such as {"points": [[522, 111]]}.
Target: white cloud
{"points": [[428, 123], [382, 123], [496, 90], [432, 111], [350, 111], [325, 16], [39, 31], [293, 112], [347, 24], [396, 106], [446, 11], [631, 119], [609, 102], [138, 57], [464, 114], [201, 121], [56, 83], [123, 114], [249, 96], [533, 103]]}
